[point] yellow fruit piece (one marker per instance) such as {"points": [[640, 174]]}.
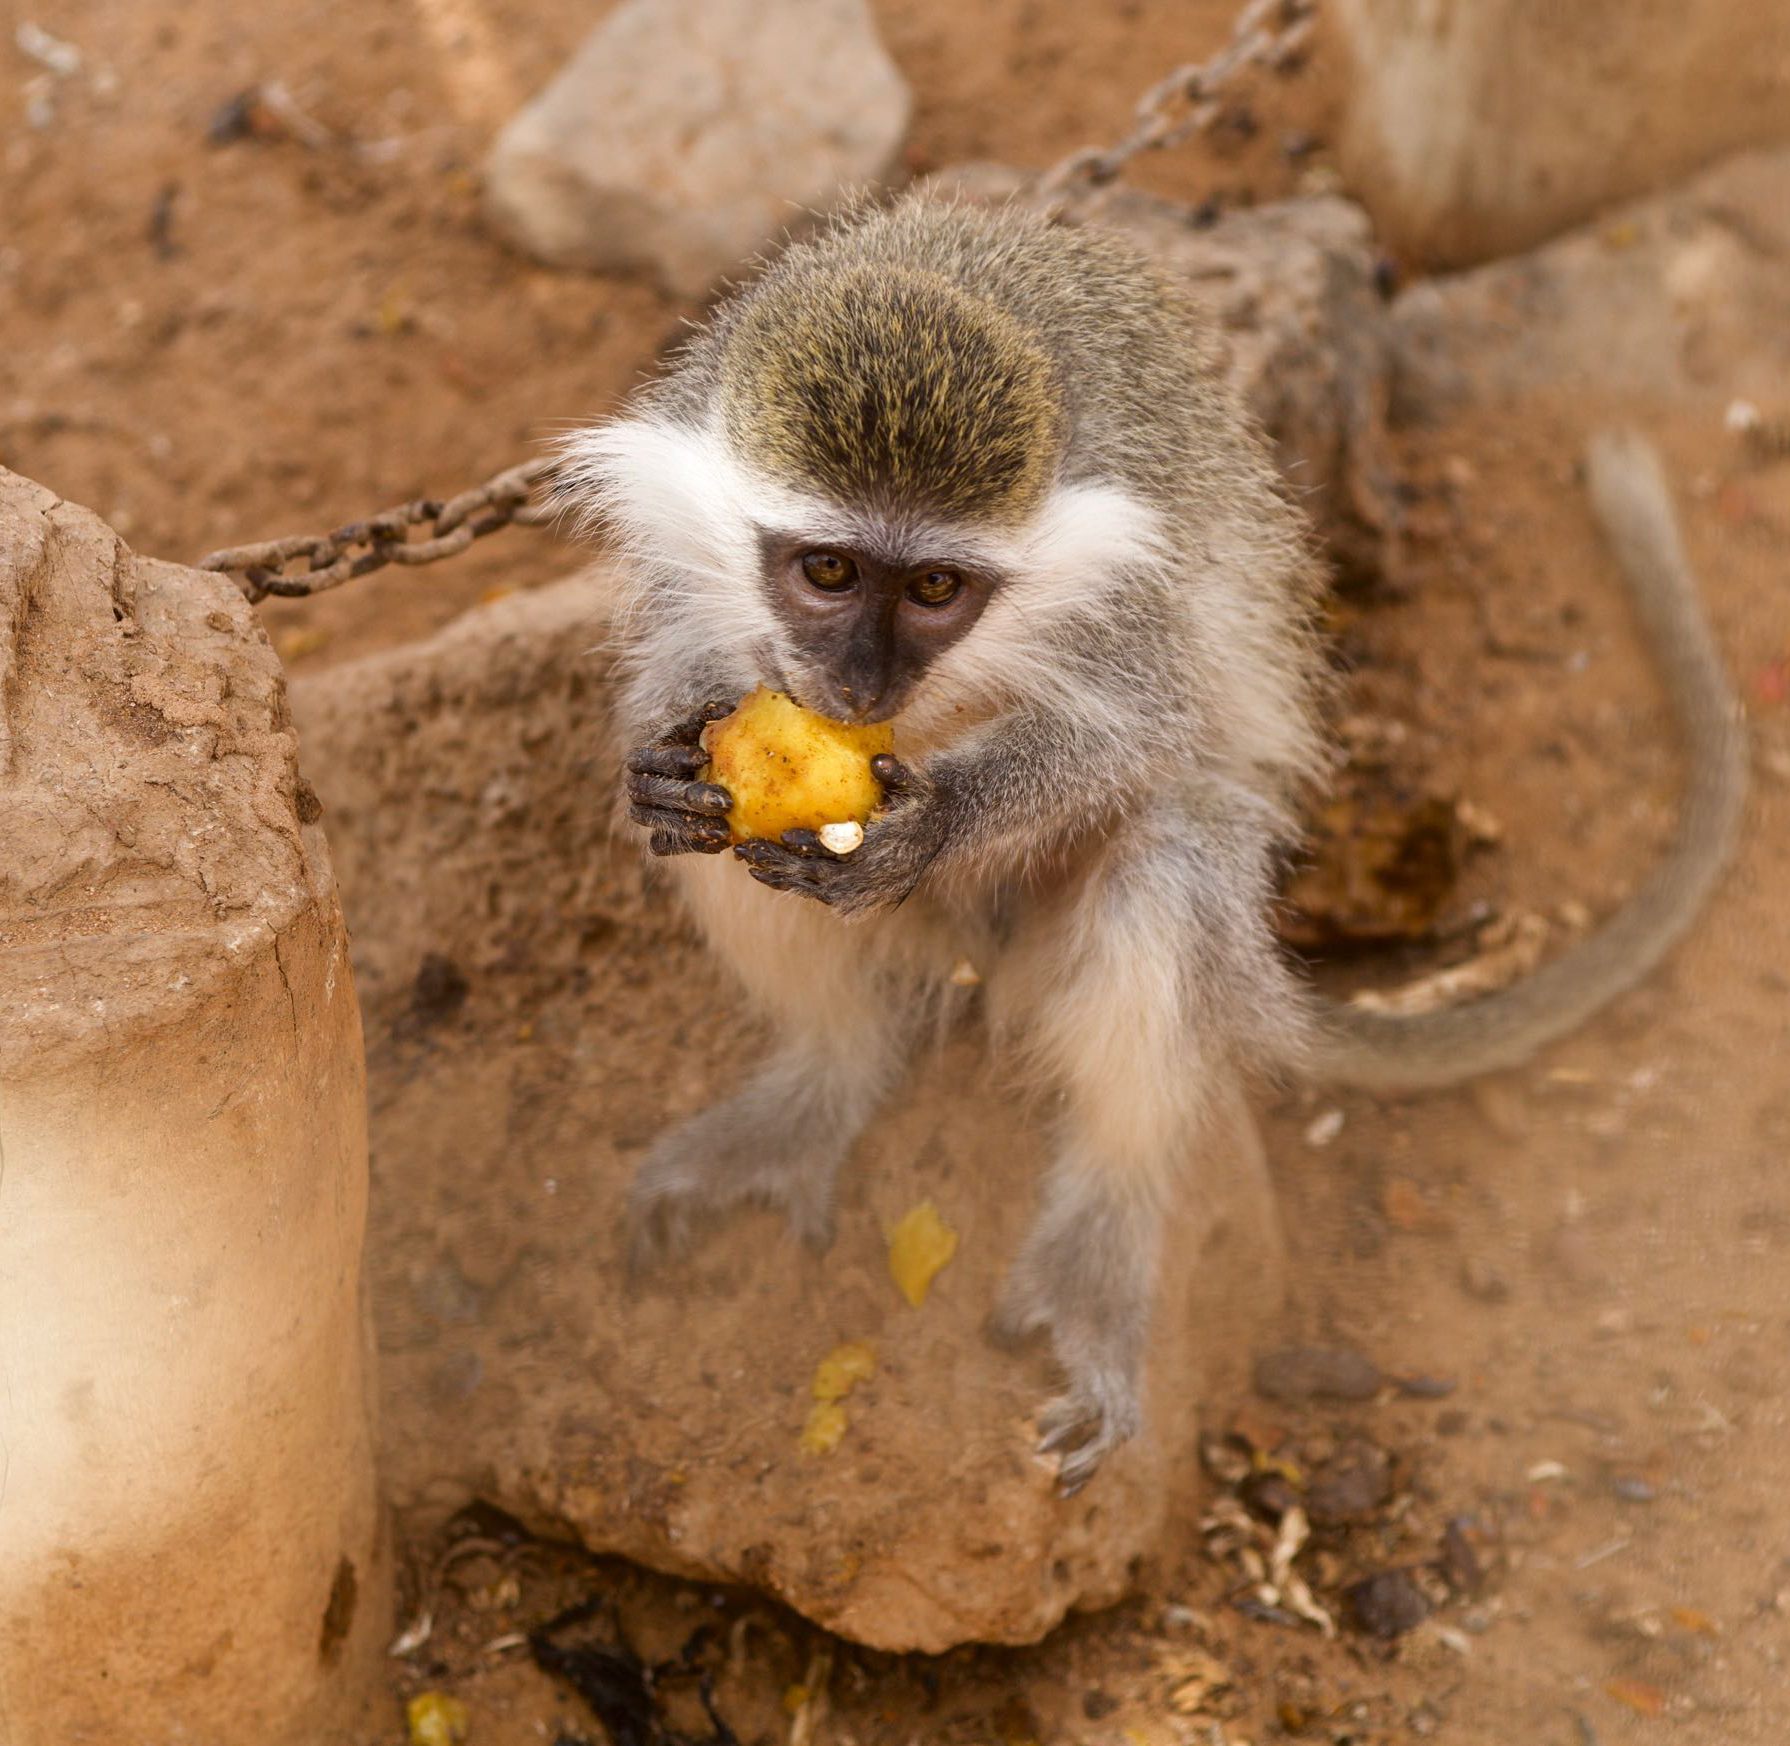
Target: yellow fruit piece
{"points": [[789, 769], [919, 1246], [436, 1719], [843, 1368], [825, 1429]]}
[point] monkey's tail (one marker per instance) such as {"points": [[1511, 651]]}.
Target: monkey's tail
{"points": [[1376, 1049]]}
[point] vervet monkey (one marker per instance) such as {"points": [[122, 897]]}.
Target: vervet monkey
{"points": [[978, 475]]}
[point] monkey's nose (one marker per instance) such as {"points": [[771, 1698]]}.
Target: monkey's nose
{"points": [[857, 703]]}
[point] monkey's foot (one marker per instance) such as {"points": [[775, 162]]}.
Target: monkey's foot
{"points": [[1083, 1426], [732, 1155], [1096, 1321]]}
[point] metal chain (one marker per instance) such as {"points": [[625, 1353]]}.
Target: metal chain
{"points": [[364, 546], [1268, 33]]}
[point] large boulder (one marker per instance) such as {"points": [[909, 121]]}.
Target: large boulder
{"points": [[190, 1547], [1682, 296], [1476, 128], [686, 135], [537, 1014]]}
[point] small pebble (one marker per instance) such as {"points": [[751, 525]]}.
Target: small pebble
{"points": [[1223, 1460], [1270, 1496], [1350, 1486], [1425, 1387], [1301, 1373], [1460, 1563], [1483, 1281], [1322, 1129], [1387, 1605], [1631, 1488]]}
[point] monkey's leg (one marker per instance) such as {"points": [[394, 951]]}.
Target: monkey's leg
{"points": [[1130, 997], [776, 1142], [841, 1040]]}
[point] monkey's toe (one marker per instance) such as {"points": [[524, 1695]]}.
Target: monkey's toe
{"points": [[1081, 1428], [657, 1230]]}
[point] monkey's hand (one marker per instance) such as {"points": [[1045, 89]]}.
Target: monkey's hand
{"points": [[684, 815], [899, 845]]}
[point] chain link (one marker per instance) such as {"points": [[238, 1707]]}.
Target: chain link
{"points": [[1268, 33], [364, 546]]}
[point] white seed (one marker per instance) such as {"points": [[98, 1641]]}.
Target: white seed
{"points": [[1322, 1129], [841, 838]]}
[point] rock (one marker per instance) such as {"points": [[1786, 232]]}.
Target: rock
{"points": [[1476, 128], [1682, 297], [1351, 1486], [1387, 1604], [190, 1545], [1302, 1373], [1460, 1566], [1304, 333], [663, 1421], [1484, 1280], [685, 135]]}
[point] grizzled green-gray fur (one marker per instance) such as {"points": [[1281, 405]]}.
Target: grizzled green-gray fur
{"points": [[944, 357]]}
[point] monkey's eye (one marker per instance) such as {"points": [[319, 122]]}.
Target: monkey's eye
{"points": [[829, 571], [935, 587]]}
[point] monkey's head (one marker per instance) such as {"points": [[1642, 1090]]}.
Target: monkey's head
{"points": [[846, 474], [905, 416]]}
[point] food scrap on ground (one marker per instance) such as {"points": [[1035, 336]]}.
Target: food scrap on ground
{"points": [[920, 1245], [835, 1376], [435, 1719]]}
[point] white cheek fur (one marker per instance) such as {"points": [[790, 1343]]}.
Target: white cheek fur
{"points": [[685, 514], [670, 499], [1038, 641]]}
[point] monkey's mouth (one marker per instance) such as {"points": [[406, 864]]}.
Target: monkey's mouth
{"points": [[825, 698]]}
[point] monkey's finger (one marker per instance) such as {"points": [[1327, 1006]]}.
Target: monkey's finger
{"points": [[679, 761], [808, 846], [896, 778], [705, 798], [689, 730], [761, 852], [680, 833], [778, 881], [773, 865]]}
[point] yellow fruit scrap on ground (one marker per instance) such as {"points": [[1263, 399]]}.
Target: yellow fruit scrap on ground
{"points": [[825, 1429], [835, 1376], [919, 1247], [790, 769], [436, 1719], [843, 1368]]}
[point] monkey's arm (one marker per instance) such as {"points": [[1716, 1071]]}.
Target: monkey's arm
{"points": [[1382, 1049]]}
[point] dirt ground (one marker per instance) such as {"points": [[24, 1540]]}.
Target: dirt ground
{"points": [[211, 341]]}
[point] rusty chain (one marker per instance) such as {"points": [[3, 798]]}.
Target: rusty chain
{"points": [[364, 546], [1268, 33]]}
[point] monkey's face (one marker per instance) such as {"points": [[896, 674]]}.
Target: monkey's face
{"points": [[861, 627]]}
